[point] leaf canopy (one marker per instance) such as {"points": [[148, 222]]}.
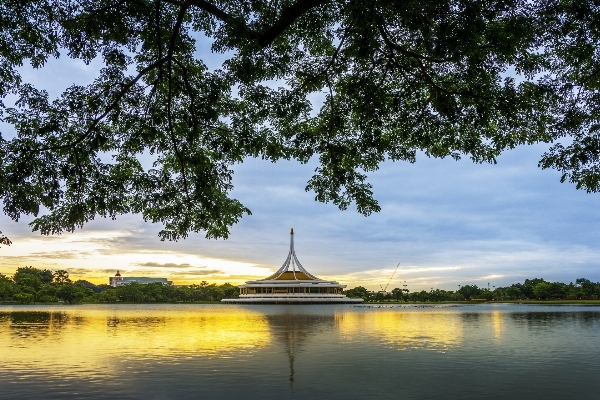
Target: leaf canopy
{"points": [[444, 77]]}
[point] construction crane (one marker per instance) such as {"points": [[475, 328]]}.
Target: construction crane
{"points": [[384, 290]]}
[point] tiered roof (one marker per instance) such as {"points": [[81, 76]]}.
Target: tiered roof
{"points": [[297, 271]]}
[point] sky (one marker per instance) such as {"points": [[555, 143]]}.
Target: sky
{"points": [[446, 222]]}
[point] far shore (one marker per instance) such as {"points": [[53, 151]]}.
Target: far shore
{"points": [[549, 302], [465, 302]]}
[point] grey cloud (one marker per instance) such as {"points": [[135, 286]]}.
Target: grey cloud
{"points": [[171, 273], [166, 265], [204, 272], [62, 254], [81, 271], [509, 219], [11, 259]]}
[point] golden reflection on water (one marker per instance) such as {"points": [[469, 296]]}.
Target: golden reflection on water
{"points": [[498, 320], [95, 340], [91, 341], [426, 330], [204, 351]]}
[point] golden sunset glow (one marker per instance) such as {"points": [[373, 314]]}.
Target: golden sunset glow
{"points": [[498, 323], [92, 338], [403, 330], [94, 256], [168, 334]]}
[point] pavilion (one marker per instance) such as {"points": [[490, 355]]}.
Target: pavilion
{"points": [[292, 284]]}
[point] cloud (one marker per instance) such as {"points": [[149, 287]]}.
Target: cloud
{"points": [[62, 254], [488, 277], [167, 265], [183, 269], [81, 271], [204, 272], [171, 273], [446, 222]]}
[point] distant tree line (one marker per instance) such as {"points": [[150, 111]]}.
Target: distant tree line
{"points": [[531, 289], [159, 293], [31, 285]]}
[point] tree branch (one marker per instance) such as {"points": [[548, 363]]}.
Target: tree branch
{"points": [[222, 15], [111, 106], [4, 240], [158, 36], [402, 50], [287, 17], [190, 93], [176, 30], [331, 62]]}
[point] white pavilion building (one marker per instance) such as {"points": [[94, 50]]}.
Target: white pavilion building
{"points": [[292, 284]]}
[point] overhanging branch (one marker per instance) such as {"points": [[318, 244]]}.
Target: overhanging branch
{"points": [[287, 17], [4, 240], [408, 53], [110, 107]]}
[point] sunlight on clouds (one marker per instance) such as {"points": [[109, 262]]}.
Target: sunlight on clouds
{"points": [[188, 268], [427, 269], [376, 278], [493, 276], [96, 255]]}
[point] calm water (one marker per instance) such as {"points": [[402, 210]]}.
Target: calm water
{"points": [[249, 352]]}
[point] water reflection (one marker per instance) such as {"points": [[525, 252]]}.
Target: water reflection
{"points": [[278, 352], [427, 330], [109, 338], [536, 321], [291, 330], [35, 325], [498, 323]]}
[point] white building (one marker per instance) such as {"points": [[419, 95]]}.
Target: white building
{"points": [[292, 284], [118, 280]]}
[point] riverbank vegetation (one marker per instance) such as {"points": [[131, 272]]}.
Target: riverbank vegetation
{"points": [[532, 289], [33, 285]]}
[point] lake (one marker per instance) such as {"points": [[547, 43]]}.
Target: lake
{"points": [[492, 351]]}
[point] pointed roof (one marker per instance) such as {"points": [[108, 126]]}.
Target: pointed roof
{"points": [[297, 271]]}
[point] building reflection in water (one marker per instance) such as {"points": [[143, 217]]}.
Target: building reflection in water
{"points": [[292, 329], [169, 334], [191, 351], [160, 331], [204, 351]]}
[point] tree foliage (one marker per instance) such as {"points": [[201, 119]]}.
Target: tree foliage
{"points": [[449, 78], [30, 284], [157, 292], [61, 276], [4, 240], [531, 289], [358, 292]]}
